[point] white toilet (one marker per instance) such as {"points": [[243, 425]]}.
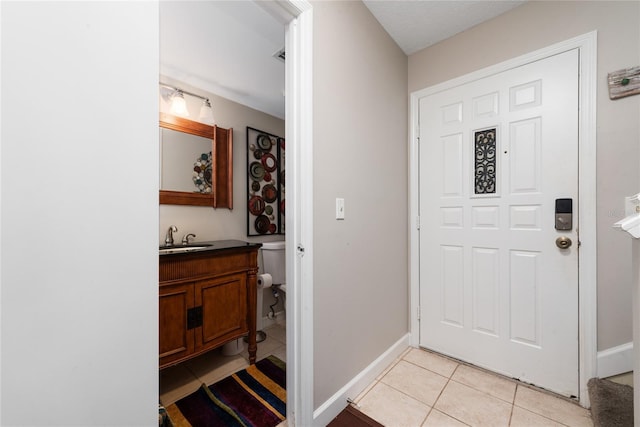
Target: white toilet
{"points": [[274, 263]]}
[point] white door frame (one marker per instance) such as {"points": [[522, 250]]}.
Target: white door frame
{"points": [[297, 16], [587, 256]]}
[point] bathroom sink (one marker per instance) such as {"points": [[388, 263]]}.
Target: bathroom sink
{"points": [[182, 248]]}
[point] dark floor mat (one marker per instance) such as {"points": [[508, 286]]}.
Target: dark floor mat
{"points": [[611, 403]]}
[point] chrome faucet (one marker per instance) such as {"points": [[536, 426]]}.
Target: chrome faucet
{"points": [[168, 241], [185, 239]]}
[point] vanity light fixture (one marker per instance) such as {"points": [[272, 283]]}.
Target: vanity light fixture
{"points": [[175, 96]]}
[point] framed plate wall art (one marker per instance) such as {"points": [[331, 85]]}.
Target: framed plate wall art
{"points": [[265, 183]]}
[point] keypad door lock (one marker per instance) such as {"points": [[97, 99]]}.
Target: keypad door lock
{"points": [[564, 214]]}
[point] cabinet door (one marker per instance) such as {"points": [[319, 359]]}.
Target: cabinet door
{"points": [[176, 340], [224, 309]]}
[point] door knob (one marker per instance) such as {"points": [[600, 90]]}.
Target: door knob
{"points": [[563, 242]]}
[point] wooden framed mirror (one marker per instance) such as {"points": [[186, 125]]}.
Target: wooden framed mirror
{"points": [[196, 163]]}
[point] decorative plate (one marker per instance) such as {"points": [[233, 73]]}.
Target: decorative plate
{"points": [[202, 173], [256, 170], [269, 162], [262, 224], [269, 193], [264, 142], [256, 205]]}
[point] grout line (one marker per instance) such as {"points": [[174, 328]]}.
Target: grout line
{"points": [[512, 405], [427, 416], [358, 399], [541, 415], [445, 386], [408, 395], [433, 408], [417, 400], [476, 388]]}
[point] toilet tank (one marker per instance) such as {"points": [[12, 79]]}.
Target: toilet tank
{"points": [[273, 261]]}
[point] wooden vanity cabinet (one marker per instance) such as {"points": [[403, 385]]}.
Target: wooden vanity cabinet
{"points": [[206, 299]]}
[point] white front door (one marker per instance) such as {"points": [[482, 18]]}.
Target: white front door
{"points": [[496, 290]]}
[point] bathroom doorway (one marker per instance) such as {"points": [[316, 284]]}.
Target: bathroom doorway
{"points": [[296, 19]]}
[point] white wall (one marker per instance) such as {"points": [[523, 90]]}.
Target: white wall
{"points": [[79, 213], [360, 114], [539, 24]]}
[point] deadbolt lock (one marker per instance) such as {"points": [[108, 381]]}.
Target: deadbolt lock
{"points": [[563, 242]]}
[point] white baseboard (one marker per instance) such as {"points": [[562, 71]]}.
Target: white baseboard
{"points": [[615, 360], [336, 403]]}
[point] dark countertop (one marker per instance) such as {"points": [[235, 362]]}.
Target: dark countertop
{"points": [[213, 245]]}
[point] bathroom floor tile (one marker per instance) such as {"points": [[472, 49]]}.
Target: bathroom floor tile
{"points": [[522, 418], [176, 382], [552, 407], [473, 407], [391, 407], [281, 353], [492, 384], [438, 419], [265, 348], [431, 361], [364, 392], [417, 382], [277, 333], [388, 368], [214, 366]]}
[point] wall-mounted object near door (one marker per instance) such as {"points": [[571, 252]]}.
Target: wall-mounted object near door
{"points": [[196, 163], [265, 183], [624, 82]]}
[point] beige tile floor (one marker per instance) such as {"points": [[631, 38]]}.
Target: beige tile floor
{"points": [[421, 389]]}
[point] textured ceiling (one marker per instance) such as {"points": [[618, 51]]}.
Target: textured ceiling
{"points": [[227, 47]]}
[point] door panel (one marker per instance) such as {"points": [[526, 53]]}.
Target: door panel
{"points": [[175, 339], [224, 304], [495, 290]]}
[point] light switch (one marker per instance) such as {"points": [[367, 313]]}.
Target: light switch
{"points": [[339, 208]]}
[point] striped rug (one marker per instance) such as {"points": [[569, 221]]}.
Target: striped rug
{"points": [[253, 397]]}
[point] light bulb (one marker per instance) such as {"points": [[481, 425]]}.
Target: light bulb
{"points": [[178, 105], [206, 112]]}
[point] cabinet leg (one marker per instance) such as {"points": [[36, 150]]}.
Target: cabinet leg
{"points": [[253, 347]]}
